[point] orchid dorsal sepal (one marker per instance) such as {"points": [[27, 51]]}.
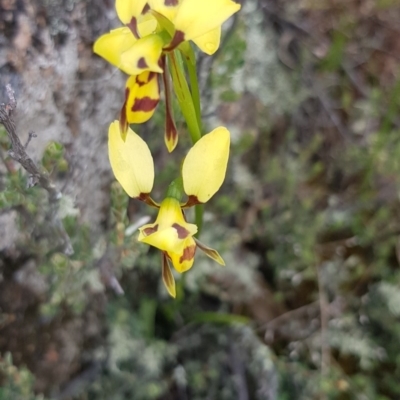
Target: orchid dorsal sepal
{"points": [[204, 168], [175, 189], [131, 161], [213, 254], [167, 276]]}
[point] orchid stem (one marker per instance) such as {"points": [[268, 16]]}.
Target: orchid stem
{"points": [[189, 57], [190, 110], [184, 96]]}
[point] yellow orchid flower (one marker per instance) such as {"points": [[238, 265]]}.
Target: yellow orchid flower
{"points": [[151, 29], [170, 231], [130, 54], [203, 172], [138, 45]]}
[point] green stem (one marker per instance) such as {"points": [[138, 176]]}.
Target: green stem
{"points": [[190, 112], [184, 96], [189, 56]]}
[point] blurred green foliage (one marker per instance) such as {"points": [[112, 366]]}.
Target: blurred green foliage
{"points": [[16, 383]]}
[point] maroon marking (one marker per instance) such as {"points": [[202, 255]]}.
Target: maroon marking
{"points": [[142, 63], [162, 62], [183, 233], [178, 38], [150, 231], [145, 197], [146, 9], [191, 201], [132, 25], [145, 104], [188, 253], [171, 133], [171, 3], [140, 83], [123, 123]]}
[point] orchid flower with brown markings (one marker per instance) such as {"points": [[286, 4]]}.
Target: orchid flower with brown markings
{"points": [[153, 28], [203, 172]]}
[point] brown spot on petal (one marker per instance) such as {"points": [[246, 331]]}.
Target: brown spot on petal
{"points": [[145, 197], [146, 9], [150, 231], [188, 253], [123, 123], [132, 25], [183, 233], [142, 63], [192, 201], [171, 3], [170, 128], [178, 38], [144, 81], [145, 104]]}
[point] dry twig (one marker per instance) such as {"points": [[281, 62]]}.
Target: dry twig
{"points": [[36, 177]]}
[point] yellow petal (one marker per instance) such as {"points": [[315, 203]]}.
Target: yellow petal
{"points": [[204, 168], [167, 277], [170, 213], [143, 95], [209, 42], [131, 161], [128, 9], [166, 8], [170, 231], [111, 45], [142, 56], [195, 18], [183, 261], [147, 25], [166, 239]]}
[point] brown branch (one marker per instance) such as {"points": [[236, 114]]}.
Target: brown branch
{"points": [[36, 177]]}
